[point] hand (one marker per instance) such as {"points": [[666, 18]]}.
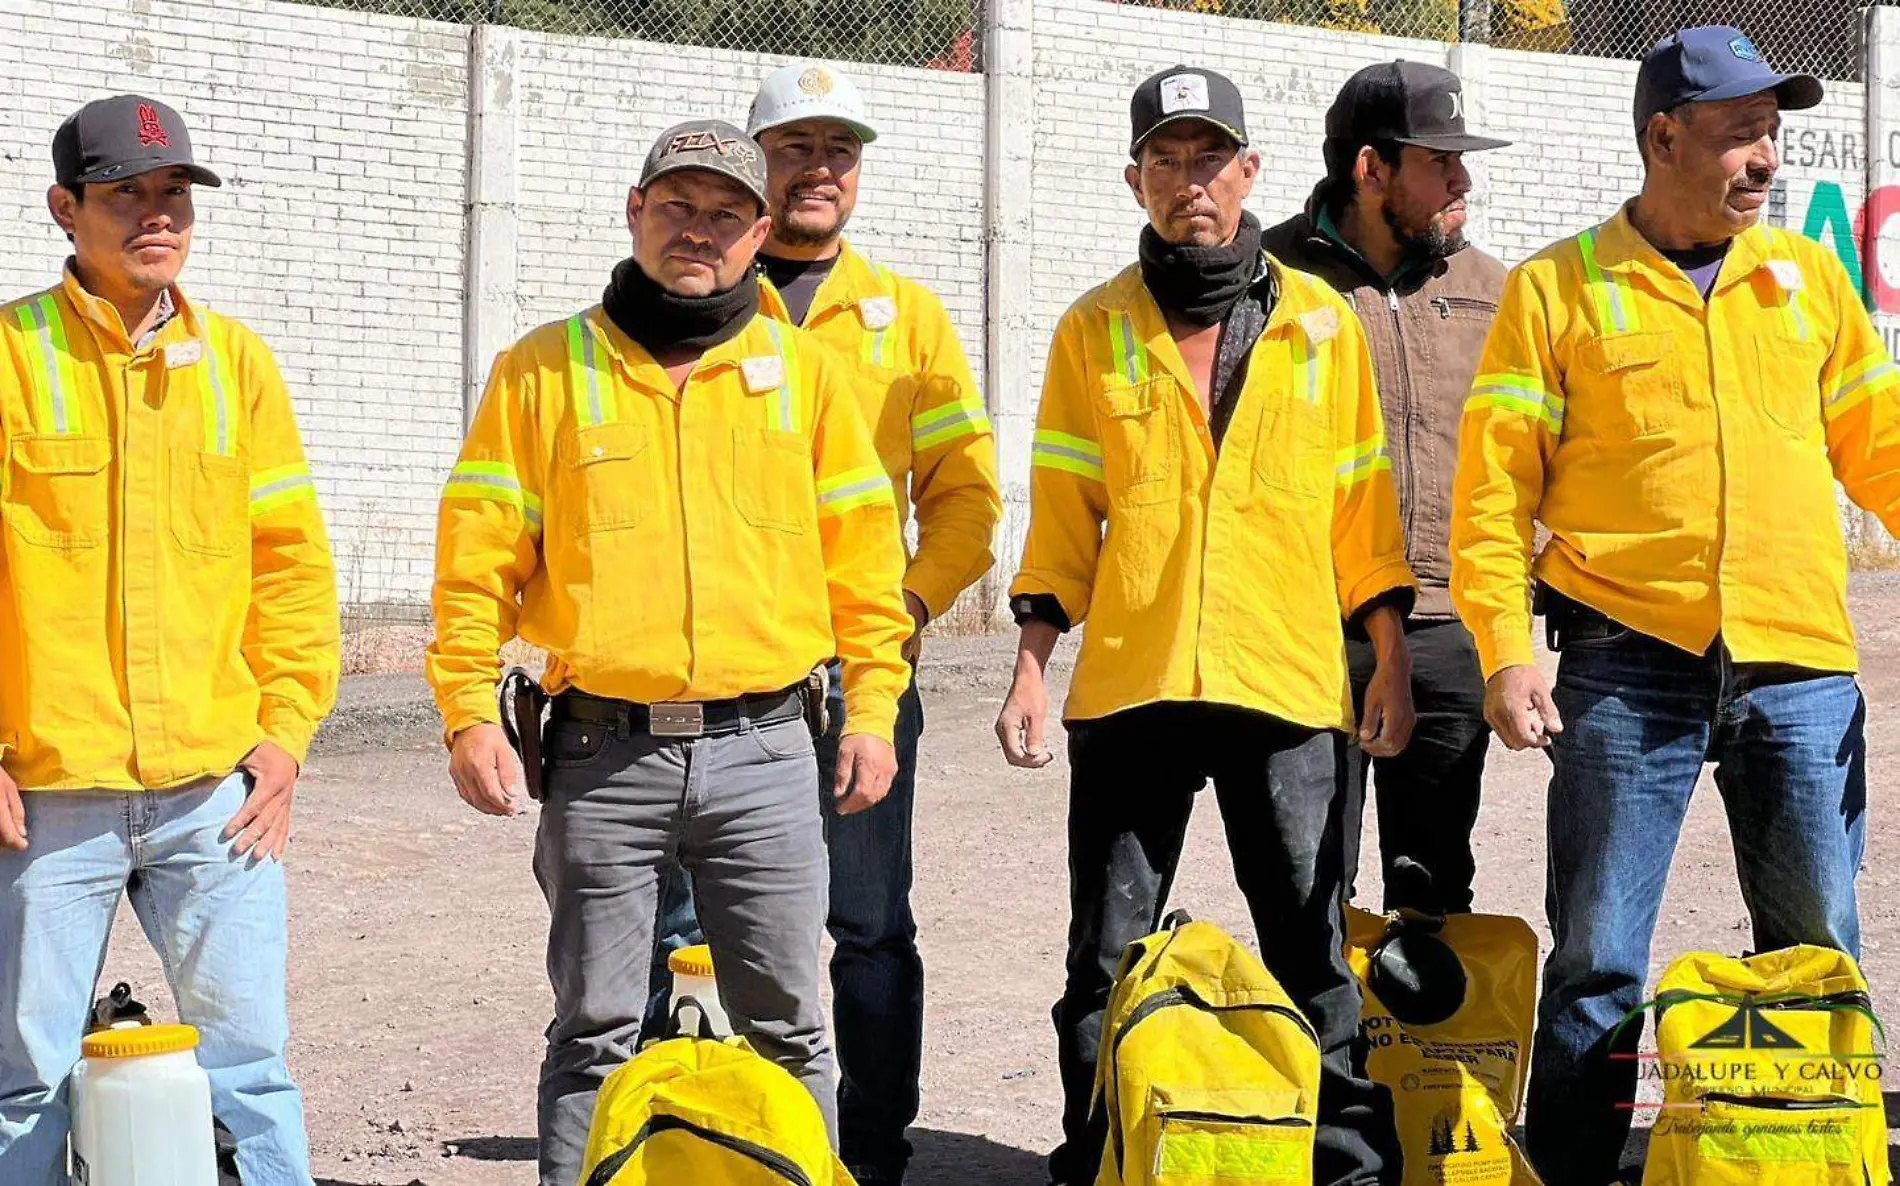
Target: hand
{"points": [[485, 770], [1518, 707], [866, 766], [12, 815], [1025, 718], [920, 617], [1386, 724], [261, 828]]}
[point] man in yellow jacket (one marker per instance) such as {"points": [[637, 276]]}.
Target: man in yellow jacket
{"points": [[1210, 491], [169, 647], [933, 435], [678, 499], [1674, 394]]}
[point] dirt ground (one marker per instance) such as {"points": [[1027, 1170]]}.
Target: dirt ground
{"points": [[418, 996]]}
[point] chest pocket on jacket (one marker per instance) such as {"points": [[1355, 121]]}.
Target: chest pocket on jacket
{"points": [[772, 481], [1138, 438], [210, 507], [1790, 388], [1292, 447], [56, 490], [611, 475], [1633, 387]]}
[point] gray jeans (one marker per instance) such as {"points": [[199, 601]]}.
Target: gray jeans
{"points": [[740, 814]]}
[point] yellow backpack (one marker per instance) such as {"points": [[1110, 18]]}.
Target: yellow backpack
{"points": [[707, 1113], [1452, 1039], [1771, 1073], [1208, 1074]]}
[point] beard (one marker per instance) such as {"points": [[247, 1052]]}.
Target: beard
{"points": [[805, 233], [1428, 241]]}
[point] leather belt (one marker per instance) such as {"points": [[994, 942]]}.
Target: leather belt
{"points": [[690, 718]]}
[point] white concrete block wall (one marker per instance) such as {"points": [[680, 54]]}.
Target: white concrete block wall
{"points": [[338, 235], [342, 236], [589, 109], [1090, 54]]}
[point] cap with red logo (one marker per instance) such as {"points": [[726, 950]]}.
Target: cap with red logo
{"points": [[124, 136]]}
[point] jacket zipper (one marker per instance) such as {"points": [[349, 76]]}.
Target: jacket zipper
{"points": [[1168, 1000], [1409, 470], [1445, 304], [779, 1164]]}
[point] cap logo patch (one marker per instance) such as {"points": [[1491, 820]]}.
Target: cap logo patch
{"points": [[1744, 49], [151, 132], [1183, 92], [1457, 104], [705, 140], [815, 81]]}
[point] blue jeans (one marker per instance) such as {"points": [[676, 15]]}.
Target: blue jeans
{"points": [[877, 977], [1640, 719], [217, 922]]}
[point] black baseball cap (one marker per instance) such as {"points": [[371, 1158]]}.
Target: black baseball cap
{"points": [[1183, 93], [1410, 102], [710, 144], [124, 136], [1708, 64]]}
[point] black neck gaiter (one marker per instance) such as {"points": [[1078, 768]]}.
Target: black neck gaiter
{"points": [[1199, 285], [667, 324]]}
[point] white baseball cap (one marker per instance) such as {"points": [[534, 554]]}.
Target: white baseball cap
{"points": [[807, 90]]}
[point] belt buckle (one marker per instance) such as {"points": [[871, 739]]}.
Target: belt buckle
{"points": [[677, 720]]}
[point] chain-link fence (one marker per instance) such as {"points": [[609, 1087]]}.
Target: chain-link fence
{"points": [[935, 34], [1818, 36]]}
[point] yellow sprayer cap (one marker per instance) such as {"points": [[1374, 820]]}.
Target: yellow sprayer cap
{"points": [[135, 1041], [691, 961]]}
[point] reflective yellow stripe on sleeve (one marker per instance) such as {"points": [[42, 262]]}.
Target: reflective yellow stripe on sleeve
{"points": [[493, 481], [1070, 454], [285, 484], [1861, 382], [946, 423], [1354, 465], [1525, 395], [53, 380], [853, 489]]}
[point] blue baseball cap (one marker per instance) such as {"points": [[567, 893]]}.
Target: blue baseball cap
{"points": [[1708, 64]]}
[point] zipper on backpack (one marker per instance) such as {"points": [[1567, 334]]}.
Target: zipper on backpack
{"points": [[1771, 1103], [1250, 1121], [778, 1163]]}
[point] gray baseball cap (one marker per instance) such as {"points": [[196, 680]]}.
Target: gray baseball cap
{"points": [[710, 144]]}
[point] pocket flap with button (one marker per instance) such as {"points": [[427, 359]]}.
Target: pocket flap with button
{"points": [[62, 454], [772, 482], [614, 441], [1622, 352], [1122, 400]]}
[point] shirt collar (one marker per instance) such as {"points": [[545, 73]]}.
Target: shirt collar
{"points": [[1410, 267], [103, 318]]}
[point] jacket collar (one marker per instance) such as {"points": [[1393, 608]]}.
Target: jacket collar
{"points": [[1621, 248], [852, 281], [1297, 308], [112, 333], [643, 370]]}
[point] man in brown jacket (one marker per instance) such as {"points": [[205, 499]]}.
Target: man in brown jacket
{"points": [[1386, 228]]}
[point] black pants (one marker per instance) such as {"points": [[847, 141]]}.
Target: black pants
{"points": [[1133, 778], [1428, 794]]}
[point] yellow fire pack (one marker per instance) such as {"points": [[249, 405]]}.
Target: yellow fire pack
{"points": [[1771, 1070], [1450, 1036]]}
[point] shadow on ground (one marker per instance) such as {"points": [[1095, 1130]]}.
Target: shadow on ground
{"points": [[959, 1159], [492, 1148]]}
